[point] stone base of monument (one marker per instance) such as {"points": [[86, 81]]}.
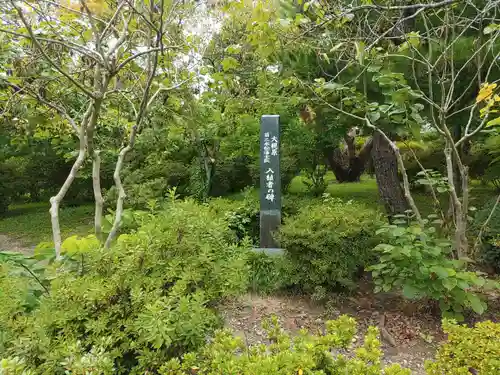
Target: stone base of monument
{"points": [[269, 251]]}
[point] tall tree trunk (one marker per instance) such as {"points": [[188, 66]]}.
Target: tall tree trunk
{"points": [[386, 172]]}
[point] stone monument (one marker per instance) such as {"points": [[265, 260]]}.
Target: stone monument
{"points": [[270, 182]]}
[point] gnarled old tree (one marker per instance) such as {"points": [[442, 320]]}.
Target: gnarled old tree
{"points": [[347, 163], [102, 58]]}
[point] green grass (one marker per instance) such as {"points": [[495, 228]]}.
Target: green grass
{"points": [[30, 223], [366, 192]]}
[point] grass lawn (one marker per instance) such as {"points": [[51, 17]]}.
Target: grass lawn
{"points": [[366, 192], [30, 223]]}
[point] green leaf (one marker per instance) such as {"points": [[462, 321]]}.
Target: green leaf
{"points": [[87, 34], [373, 68], [336, 47], [333, 86], [450, 283], [360, 51], [410, 292], [398, 232], [479, 281], [229, 63], [493, 122], [475, 303], [491, 28], [373, 116], [233, 48], [384, 247], [441, 272]]}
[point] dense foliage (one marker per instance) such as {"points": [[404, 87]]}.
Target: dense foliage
{"points": [[418, 262], [130, 309], [303, 354], [468, 350], [132, 104], [328, 244], [489, 245]]}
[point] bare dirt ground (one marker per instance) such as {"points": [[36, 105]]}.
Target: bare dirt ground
{"points": [[411, 339], [410, 333], [10, 244]]}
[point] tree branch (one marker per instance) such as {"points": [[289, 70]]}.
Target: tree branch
{"points": [[433, 192], [84, 89], [133, 57], [49, 104], [68, 44]]}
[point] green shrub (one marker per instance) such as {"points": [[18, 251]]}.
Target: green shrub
{"points": [[130, 309], [304, 354], [6, 187], [328, 243], [492, 175], [15, 299], [268, 273], [468, 350], [418, 262], [489, 252], [231, 175], [431, 157], [242, 215], [151, 182]]}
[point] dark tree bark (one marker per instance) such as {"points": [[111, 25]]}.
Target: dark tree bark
{"points": [[345, 164], [386, 173]]}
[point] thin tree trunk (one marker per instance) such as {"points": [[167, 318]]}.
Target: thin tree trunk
{"points": [[209, 168], [99, 201], [386, 173], [121, 191], [145, 104], [461, 245], [55, 201]]}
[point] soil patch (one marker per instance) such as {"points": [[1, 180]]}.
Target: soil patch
{"points": [[409, 333], [9, 244]]}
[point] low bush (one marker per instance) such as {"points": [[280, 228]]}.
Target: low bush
{"points": [[242, 215], [328, 243], [303, 354], [492, 175], [489, 253], [468, 350], [130, 309], [431, 157], [415, 260], [152, 182], [7, 189], [231, 175], [17, 297], [268, 273]]}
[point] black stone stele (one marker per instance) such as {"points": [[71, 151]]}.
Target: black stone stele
{"points": [[270, 182]]}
